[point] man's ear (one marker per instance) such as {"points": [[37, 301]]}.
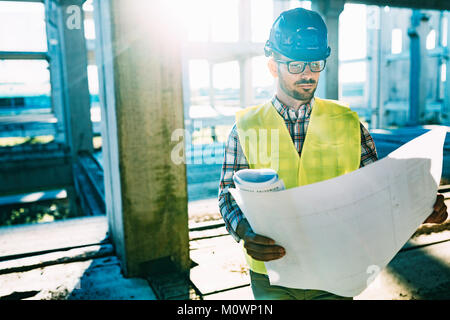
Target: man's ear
{"points": [[273, 67]]}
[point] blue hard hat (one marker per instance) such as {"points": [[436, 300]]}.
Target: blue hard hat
{"points": [[300, 35]]}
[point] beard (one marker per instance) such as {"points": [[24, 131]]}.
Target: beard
{"points": [[296, 94]]}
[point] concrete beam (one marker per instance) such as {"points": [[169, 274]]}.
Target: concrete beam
{"points": [[16, 55], [24, 0], [24, 177], [415, 4], [140, 67]]}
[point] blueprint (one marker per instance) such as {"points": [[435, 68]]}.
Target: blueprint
{"points": [[337, 231]]}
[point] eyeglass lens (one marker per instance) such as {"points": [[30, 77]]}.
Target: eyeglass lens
{"points": [[315, 66]]}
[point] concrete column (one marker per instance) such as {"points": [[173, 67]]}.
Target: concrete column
{"points": [[186, 94], [374, 53], [52, 13], [376, 49], [330, 11], [74, 76], [446, 109], [143, 101], [246, 88], [211, 85], [279, 7], [417, 89], [245, 63]]}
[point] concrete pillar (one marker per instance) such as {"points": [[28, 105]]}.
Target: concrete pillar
{"points": [[446, 109], [245, 63], [143, 101], [186, 94], [330, 11], [417, 89], [374, 53], [69, 82], [279, 7], [52, 13], [377, 47], [74, 76], [246, 88], [212, 100]]}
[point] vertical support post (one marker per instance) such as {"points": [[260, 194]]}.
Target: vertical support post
{"points": [[211, 84], [374, 53], [417, 85], [446, 109], [75, 81], [246, 86], [186, 94], [330, 11], [55, 68], [279, 7], [245, 67], [142, 96]]}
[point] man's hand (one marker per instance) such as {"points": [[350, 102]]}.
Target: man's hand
{"points": [[258, 247], [439, 214]]}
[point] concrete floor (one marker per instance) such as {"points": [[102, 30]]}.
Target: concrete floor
{"points": [[76, 261]]}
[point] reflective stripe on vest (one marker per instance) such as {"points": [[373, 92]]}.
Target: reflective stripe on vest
{"points": [[332, 146]]}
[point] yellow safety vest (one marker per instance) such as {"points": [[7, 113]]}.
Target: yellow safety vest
{"points": [[332, 146]]}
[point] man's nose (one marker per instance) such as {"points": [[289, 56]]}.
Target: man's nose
{"points": [[307, 69]]}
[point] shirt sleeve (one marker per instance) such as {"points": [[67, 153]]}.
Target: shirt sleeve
{"points": [[234, 160], [368, 150]]}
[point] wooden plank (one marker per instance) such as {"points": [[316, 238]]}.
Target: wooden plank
{"points": [[24, 239], [221, 264], [86, 280], [426, 239], [241, 293], [58, 257], [208, 233], [200, 226]]}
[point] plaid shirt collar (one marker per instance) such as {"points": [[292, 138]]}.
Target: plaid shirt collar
{"points": [[288, 113]]}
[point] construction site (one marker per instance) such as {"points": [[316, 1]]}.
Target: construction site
{"points": [[114, 115]]}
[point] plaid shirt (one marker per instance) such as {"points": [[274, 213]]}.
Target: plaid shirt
{"points": [[234, 159]]}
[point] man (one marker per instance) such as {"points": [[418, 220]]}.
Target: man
{"points": [[324, 139]]}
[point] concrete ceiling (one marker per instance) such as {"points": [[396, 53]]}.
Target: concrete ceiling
{"points": [[416, 4]]}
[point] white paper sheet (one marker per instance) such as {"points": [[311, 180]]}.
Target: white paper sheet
{"points": [[337, 232]]}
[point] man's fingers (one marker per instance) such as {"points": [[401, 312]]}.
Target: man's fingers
{"points": [[442, 216], [264, 249], [438, 216], [439, 202], [256, 238], [264, 256]]}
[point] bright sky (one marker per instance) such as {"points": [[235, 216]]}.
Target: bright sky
{"points": [[221, 26], [214, 20]]}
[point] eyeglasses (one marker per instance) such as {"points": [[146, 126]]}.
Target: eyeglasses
{"points": [[299, 66]]}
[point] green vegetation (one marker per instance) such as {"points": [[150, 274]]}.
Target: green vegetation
{"points": [[34, 213], [15, 141]]}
